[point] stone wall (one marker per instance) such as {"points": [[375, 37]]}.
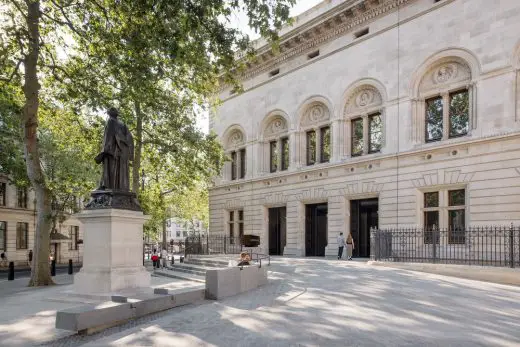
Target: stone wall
{"points": [[451, 44]]}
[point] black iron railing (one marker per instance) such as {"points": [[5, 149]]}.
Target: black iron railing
{"points": [[212, 244], [486, 246], [222, 245]]}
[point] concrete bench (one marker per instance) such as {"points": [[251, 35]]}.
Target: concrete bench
{"points": [[91, 318], [221, 283]]}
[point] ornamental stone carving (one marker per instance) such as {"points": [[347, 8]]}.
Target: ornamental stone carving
{"points": [[445, 73], [276, 126], [362, 98], [236, 138], [315, 114]]}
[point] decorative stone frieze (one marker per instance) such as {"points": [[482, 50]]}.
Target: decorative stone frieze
{"points": [[276, 126], [450, 72], [275, 199], [315, 114], [316, 193], [359, 188], [345, 18], [442, 177], [363, 98]]}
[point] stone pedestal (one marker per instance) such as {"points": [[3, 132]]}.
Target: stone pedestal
{"points": [[113, 251]]}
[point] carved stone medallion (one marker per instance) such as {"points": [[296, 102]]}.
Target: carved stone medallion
{"points": [[315, 114], [276, 126], [361, 98], [236, 138]]}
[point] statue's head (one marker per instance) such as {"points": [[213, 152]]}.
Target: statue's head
{"points": [[113, 112]]}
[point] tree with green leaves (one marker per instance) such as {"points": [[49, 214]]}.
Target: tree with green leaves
{"points": [[144, 54]]}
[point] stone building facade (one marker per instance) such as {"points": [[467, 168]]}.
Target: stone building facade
{"points": [[375, 113], [18, 224]]}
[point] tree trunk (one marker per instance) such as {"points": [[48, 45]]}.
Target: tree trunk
{"points": [[136, 168], [40, 273]]}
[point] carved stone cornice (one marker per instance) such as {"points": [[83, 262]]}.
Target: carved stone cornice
{"points": [[340, 20]]}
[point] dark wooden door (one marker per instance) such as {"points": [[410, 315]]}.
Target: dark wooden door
{"points": [[316, 230], [277, 230]]}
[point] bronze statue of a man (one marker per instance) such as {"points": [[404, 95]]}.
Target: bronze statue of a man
{"points": [[117, 152]]}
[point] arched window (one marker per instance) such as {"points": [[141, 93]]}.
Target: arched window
{"points": [[276, 141], [444, 97], [235, 146], [315, 127], [364, 114]]}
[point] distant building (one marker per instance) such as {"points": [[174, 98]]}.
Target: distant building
{"points": [[18, 224], [178, 229]]}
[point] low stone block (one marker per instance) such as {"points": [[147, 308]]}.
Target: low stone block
{"points": [[151, 303], [90, 316], [221, 283]]}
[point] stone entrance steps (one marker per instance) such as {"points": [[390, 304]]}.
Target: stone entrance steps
{"points": [[193, 269]]}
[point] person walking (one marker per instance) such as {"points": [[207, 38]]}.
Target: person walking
{"points": [[341, 244], [350, 246], [164, 257], [29, 258]]}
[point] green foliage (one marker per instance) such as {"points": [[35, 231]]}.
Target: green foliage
{"points": [[160, 62]]}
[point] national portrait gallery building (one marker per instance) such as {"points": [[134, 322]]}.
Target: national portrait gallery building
{"points": [[373, 114]]}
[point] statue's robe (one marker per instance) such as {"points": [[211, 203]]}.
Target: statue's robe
{"points": [[118, 151]]}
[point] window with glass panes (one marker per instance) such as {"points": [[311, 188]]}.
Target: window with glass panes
{"points": [[285, 153], [311, 147], [445, 210], [375, 133], [324, 144], [357, 137], [3, 235], [243, 163], [273, 156], [3, 193], [447, 122], [22, 235], [235, 225], [22, 197], [74, 237]]}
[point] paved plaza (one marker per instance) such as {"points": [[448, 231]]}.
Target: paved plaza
{"points": [[308, 302]]}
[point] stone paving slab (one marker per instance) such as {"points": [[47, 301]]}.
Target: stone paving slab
{"points": [[28, 315], [334, 303]]}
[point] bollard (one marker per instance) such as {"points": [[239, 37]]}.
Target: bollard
{"points": [[53, 267], [10, 274], [70, 267]]}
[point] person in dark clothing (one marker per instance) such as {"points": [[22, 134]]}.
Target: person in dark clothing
{"points": [[30, 256], [244, 259]]}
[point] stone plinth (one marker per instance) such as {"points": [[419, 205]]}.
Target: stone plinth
{"points": [[113, 252]]}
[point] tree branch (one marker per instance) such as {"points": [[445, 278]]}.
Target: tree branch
{"points": [[14, 73]]}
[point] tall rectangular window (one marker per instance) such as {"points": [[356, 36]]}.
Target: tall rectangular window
{"points": [[3, 193], [459, 113], [240, 223], [431, 217], [22, 235], [285, 153], [375, 133], [311, 147], [74, 237], [233, 165], [273, 156], [22, 197], [231, 223], [457, 216], [243, 163], [324, 144], [434, 119], [3, 235], [357, 137]]}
